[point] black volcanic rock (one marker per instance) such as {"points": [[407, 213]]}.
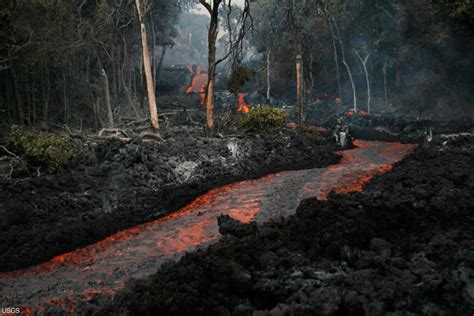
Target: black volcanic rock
{"points": [[402, 247]]}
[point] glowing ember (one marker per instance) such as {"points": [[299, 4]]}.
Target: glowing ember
{"points": [[243, 107], [104, 267]]}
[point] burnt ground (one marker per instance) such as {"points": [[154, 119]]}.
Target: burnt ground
{"points": [[114, 185], [404, 246]]}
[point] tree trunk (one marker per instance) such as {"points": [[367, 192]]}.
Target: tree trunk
{"points": [[299, 83], [16, 93], [45, 89], [212, 38], [336, 62], [364, 65], [210, 107], [33, 102], [125, 87], [105, 94], [65, 100], [310, 86], [268, 76], [210, 86], [148, 73], [348, 68]]}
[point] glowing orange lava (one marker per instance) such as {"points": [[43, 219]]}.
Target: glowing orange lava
{"points": [[104, 267], [199, 82]]}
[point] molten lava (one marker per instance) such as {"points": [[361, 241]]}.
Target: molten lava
{"points": [[104, 267], [198, 82]]}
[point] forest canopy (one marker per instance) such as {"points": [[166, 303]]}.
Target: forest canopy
{"points": [[415, 55]]}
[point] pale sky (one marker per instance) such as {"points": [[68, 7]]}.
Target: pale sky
{"points": [[200, 10]]}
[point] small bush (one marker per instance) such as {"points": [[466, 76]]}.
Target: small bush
{"points": [[264, 119], [50, 151]]}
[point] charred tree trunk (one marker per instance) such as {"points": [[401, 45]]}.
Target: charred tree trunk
{"points": [[19, 115], [212, 38], [211, 81], [363, 61], [65, 100], [105, 95], [147, 65], [348, 68], [268, 76], [45, 90]]}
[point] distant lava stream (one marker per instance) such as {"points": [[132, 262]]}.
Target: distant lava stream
{"points": [[104, 267]]}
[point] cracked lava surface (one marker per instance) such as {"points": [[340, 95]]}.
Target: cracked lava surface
{"points": [[104, 267]]}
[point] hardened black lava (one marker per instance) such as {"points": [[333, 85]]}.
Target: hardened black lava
{"points": [[118, 185], [404, 246]]}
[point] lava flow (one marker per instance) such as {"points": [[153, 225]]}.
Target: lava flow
{"points": [[199, 84], [102, 268], [199, 81]]}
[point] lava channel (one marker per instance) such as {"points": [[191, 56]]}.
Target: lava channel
{"points": [[104, 267]]}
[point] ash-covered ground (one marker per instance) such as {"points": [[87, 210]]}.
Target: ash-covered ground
{"points": [[403, 246], [115, 185]]}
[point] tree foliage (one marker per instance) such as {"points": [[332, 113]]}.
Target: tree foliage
{"points": [[52, 52], [419, 48]]}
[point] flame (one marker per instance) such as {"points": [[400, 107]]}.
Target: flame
{"points": [[243, 107]]}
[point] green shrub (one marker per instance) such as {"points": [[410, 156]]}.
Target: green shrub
{"points": [[264, 119], [50, 151]]}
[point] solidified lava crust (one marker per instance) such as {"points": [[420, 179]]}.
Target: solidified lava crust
{"points": [[115, 186], [403, 246], [73, 281]]}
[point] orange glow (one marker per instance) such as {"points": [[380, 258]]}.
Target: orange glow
{"points": [[350, 113], [243, 107], [26, 310], [362, 113], [199, 82]]}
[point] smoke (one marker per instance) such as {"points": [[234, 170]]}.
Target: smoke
{"points": [[190, 42]]}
